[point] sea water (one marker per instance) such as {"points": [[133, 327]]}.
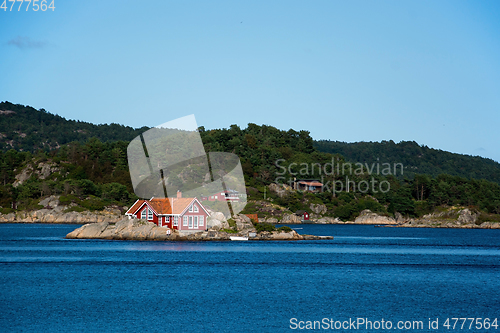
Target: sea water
{"points": [[362, 280]]}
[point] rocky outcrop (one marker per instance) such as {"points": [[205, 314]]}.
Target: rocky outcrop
{"points": [[217, 221], [465, 216], [329, 220], [452, 217], [281, 190], [318, 208], [291, 219], [43, 171], [244, 224], [125, 229], [368, 217], [53, 212]]}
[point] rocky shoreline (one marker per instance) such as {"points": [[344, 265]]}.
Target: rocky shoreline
{"points": [[453, 217], [134, 229]]}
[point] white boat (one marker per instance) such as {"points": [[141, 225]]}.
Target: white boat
{"points": [[238, 238]]}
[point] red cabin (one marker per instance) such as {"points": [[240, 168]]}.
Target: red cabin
{"points": [[176, 213]]}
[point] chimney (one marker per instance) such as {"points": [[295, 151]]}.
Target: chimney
{"points": [[179, 194]]}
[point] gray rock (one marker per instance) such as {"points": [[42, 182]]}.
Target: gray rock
{"points": [[368, 217], [88, 231], [52, 201], [318, 209], [466, 217], [291, 219]]}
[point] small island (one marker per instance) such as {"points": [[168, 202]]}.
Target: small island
{"points": [[137, 229]]}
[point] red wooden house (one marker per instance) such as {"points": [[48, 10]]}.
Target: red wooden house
{"points": [[176, 213]]}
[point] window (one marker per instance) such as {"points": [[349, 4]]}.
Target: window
{"points": [[185, 221], [191, 208], [150, 214], [190, 222], [195, 218], [143, 214], [176, 221], [215, 197], [195, 208], [201, 221]]}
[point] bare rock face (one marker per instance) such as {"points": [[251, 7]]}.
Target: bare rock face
{"points": [[54, 213], [23, 176], [368, 217], [318, 209], [52, 201], [291, 219], [329, 220], [45, 169], [126, 229], [243, 223], [88, 231], [466, 217], [217, 221], [280, 190]]}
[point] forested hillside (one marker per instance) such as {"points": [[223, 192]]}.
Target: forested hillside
{"points": [[93, 173], [25, 129], [416, 159]]}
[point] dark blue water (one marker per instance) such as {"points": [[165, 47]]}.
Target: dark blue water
{"points": [[50, 284]]}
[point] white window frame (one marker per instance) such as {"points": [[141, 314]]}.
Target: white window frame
{"points": [[216, 197], [191, 208], [195, 207], [190, 222], [201, 222], [150, 214], [176, 221], [144, 213], [184, 221], [195, 222]]}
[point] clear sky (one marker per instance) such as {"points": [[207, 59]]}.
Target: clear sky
{"points": [[427, 71]]}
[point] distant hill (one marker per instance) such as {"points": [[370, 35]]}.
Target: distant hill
{"points": [[24, 128], [416, 159]]}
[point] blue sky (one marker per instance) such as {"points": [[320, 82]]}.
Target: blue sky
{"points": [[427, 71]]}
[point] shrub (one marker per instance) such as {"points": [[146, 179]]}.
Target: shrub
{"points": [[67, 199], [265, 227], [92, 203], [284, 229]]}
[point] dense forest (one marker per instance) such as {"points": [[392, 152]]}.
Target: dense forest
{"points": [[24, 128], [92, 173], [416, 159]]}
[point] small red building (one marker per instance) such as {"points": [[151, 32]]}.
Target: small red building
{"points": [[176, 213]]}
